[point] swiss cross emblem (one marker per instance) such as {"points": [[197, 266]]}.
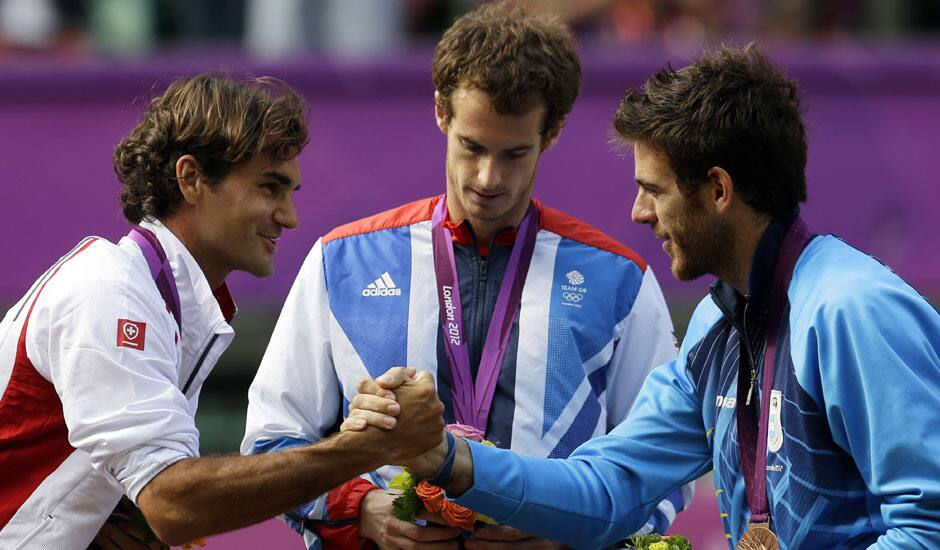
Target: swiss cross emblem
{"points": [[130, 334]]}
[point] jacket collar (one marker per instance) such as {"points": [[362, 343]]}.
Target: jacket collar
{"points": [[202, 308], [760, 277], [462, 234]]}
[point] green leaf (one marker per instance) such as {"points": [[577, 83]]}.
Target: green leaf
{"points": [[643, 542], [407, 506], [678, 542]]}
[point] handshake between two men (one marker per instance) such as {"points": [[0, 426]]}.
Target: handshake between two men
{"points": [[404, 402]]}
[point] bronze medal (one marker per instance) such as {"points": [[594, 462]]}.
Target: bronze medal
{"points": [[758, 537]]}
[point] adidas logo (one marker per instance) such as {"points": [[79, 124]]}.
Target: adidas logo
{"points": [[383, 286]]}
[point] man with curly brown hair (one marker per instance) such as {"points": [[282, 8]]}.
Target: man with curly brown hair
{"points": [[538, 327], [103, 359]]}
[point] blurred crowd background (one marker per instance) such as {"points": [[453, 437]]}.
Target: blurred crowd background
{"points": [[75, 75], [354, 28]]}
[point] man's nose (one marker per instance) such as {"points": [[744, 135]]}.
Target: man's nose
{"points": [[643, 210], [489, 172], [286, 214]]}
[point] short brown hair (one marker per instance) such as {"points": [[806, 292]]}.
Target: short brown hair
{"points": [[517, 57], [734, 109], [218, 119]]}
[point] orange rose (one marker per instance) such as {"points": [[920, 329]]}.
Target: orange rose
{"points": [[432, 495], [458, 516]]}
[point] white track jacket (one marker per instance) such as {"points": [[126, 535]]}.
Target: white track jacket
{"points": [[99, 388]]}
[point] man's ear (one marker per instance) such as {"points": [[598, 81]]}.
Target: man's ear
{"points": [[189, 178], [440, 112], [551, 137], [718, 190]]}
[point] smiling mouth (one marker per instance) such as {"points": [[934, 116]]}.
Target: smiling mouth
{"points": [[270, 242]]}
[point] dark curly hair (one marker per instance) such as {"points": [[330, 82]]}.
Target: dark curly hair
{"points": [[734, 109], [218, 119], [518, 57]]}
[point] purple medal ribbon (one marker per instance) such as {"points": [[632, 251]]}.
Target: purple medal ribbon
{"points": [[160, 269], [752, 439], [471, 400]]}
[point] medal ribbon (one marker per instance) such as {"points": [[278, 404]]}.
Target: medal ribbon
{"points": [[160, 269], [472, 401], [752, 439]]}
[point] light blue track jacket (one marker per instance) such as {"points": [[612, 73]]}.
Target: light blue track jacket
{"points": [[858, 464]]}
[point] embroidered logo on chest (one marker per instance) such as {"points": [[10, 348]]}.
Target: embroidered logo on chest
{"points": [[572, 294]]}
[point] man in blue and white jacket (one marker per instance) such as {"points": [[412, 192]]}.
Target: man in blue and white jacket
{"points": [[809, 380], [591, 320]]}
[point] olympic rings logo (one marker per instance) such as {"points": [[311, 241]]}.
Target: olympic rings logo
{"points": [[572, 296]]}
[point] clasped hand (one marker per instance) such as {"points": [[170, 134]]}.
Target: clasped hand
{"points": [[377, 404]]}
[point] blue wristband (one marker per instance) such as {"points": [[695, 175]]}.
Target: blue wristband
{"points": [[440, 478]]}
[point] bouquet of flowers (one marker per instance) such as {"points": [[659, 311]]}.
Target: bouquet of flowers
{"points": [[659, 542], [418, 495]]}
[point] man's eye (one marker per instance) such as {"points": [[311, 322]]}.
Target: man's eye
{"points": [[270, 188]]}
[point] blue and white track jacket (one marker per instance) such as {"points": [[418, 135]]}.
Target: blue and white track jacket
{"points": [[858, 463], [591, 326]]}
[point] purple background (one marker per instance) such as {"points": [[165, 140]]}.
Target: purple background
{"points": [[874, 158], [872, 116]]}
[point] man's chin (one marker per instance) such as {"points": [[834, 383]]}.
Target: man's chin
{"points": [[684, 272], [260, 270], [487, 212]]}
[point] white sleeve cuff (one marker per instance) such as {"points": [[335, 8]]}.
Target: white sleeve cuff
{"points": [[136, 468]]}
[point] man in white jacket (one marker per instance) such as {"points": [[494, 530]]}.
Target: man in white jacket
{"points": [[103, 359], [538, 327]]}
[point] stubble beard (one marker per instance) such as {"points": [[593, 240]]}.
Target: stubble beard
{"points": [[700, 244], [257, 262], [501, 211]]}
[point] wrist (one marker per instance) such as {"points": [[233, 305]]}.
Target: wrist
{"points": [[461, 476], [358, 450], [371, 508], [430, 463], [443, 473]]}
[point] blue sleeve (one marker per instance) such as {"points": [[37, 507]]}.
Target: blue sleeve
{"points": [[879, 377], [609, 486]]}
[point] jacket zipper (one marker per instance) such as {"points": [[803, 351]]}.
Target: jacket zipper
{"points": [[202, 358], [750, 355], [481, 305]]}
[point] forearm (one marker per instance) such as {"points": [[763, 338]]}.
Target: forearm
{"points": [[565, 500], [204, 496]]}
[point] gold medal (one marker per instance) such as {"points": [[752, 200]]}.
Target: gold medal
{"points": [[758, 537]]}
